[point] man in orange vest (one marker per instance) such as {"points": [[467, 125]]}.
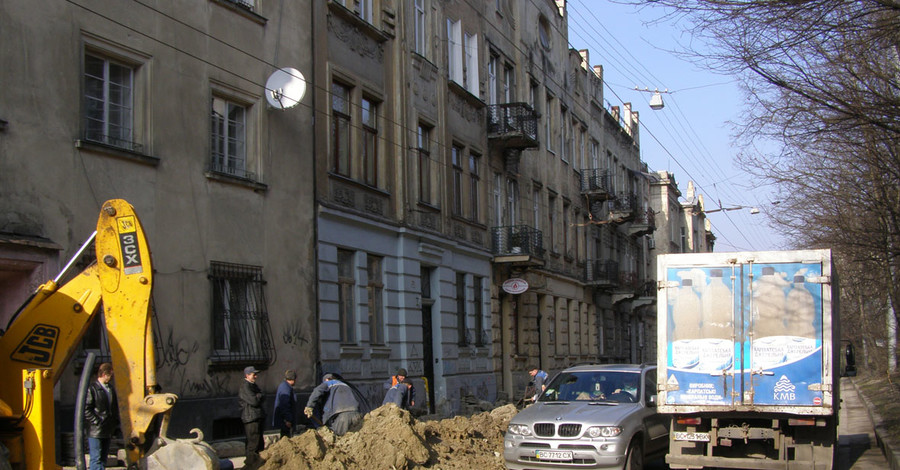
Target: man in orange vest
{"points": [[395, 379]]}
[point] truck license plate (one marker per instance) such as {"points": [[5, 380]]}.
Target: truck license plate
{"points": [[692, 436], [553, 454]]}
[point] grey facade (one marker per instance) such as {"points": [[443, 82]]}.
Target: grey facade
{"points": [[163, 105], [442, 149]]}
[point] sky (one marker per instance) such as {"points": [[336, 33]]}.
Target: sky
{"points": [[691, 136]]}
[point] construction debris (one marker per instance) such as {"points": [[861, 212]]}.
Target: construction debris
{"points": [[390, 438]]}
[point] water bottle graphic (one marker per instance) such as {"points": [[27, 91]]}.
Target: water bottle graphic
{"points": [[717, 308], [800, 309], [685, 323], [769, 303], [686, 312]]}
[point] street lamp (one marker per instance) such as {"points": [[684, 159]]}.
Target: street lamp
{"points": [[656, 101], [753, 210]]}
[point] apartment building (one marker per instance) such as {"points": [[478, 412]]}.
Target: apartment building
{"points": [[453, 196], [163, 104]]}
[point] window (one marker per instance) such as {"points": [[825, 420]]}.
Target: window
{"points": [[567, 243], [493, 91], [108, 102], [507, 88], [461, 309], [456, 163], [536, 208], [370, 142], [548, 121], [595, 154], [340, 128], [365, 10], [375, 290], [240, 320], [564, 142], [462, 56], [498, 199], [471, 70], [551, 213], [346, 281], [512, 201], [228, 138], [481, 336], [454, 51], [474, 185], [423, 143], [420, 22]]}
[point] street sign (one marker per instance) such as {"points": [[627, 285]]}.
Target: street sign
{"points": [[515, 285]]}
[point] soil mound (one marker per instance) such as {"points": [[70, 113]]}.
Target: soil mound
{"points": [[391, 439]]}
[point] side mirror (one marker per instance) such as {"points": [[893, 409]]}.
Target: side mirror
{"points": [[651, 401]]}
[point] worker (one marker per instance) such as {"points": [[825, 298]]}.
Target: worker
{"points": [[101, 411], [340, 408], [253, 416], [395, 379], [399, 394], [539, 378], [283, 414]]}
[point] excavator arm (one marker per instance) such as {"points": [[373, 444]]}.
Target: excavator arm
{"points": [[47, 330]]}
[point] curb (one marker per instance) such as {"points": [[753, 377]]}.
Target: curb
{"points": [[891, 450]]}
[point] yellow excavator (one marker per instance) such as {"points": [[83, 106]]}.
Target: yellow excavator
{"points": [[42, 336]]}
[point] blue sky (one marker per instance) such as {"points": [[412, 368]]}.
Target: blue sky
{"points": [[691, 136]]}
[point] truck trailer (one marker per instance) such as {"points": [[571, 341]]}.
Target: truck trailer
{"points": [[748, 366]]}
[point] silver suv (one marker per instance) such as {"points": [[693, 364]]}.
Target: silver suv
{"points": [[591, 416]]}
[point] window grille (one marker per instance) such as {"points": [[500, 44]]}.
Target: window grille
{"points": [[241, 332]]}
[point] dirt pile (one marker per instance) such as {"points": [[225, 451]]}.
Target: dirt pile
{"points": [[390, 438]]}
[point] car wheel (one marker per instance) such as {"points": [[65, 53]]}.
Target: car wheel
{"points": [[634, 459]]}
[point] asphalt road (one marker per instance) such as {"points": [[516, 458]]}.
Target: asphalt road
{"points": [[857, 449]]}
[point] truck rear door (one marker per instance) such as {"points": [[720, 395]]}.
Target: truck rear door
{"points": [[746, 333]]}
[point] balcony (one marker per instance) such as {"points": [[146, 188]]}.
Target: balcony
{"points": [[517, 243], [514, 125], [623, 207], [596, 183], [601, 273], [644, 222]]}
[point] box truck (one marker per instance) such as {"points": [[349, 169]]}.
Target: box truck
{"points": [[749, 359]]}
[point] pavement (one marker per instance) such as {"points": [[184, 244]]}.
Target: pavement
{"points": [[863, 443]]}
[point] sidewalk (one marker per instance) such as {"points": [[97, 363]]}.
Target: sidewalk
{"points": [[859, 417]]}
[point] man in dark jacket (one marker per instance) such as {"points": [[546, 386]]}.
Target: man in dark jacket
{"points": [[283, 416], [399, 394], [341, 408], [400, 377], [101, 411], [253, 416]]}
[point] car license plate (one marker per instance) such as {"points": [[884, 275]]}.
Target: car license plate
{"points": [[553, 454], [692, 436]]}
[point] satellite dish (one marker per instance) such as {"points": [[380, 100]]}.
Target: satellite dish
{"points": [[285, 88]]}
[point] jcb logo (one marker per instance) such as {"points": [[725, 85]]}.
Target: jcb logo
{"points": [[131, 254], [38, 347]]}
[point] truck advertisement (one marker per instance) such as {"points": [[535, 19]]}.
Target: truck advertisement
{"points": [[744, 333]]}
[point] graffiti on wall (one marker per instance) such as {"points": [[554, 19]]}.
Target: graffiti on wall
{"points": [[295, 334]]}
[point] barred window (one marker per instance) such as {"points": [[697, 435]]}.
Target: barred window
{"points": [[241, 332], [108, 102], [228, 138]]}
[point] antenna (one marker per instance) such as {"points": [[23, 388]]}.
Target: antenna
{"points": [[285, 88]]}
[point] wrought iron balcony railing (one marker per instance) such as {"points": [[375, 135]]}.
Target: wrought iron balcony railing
{"points": [[513, 123], [514, 240], [601, 272], [623, 203], [596, 181]]}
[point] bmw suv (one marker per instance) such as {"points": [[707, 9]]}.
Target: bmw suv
{"points": [[590, 416]]}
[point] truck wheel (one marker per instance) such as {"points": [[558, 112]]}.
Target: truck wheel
{"points": [[634, 458]]}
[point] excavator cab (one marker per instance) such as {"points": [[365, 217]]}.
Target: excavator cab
{"points": [[42, 336]]}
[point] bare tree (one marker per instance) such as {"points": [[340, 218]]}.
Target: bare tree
{"points": [[822, 79]]}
